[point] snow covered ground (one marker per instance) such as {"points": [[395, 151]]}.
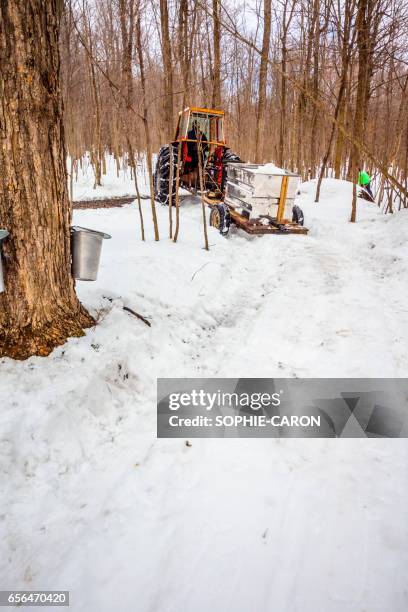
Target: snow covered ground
{"points": [[94, 503]]}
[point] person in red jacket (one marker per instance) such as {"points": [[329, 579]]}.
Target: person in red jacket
{"points": [[190, 153]]}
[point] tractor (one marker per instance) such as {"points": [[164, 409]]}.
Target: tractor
{"points": [[258, 198]]}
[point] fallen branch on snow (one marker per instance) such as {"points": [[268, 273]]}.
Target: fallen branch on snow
{"points": [[133, 312], [199, 270], [136, 314]]}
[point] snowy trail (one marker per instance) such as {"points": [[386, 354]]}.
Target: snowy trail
{"points": [[98, 505], [290, 330]]}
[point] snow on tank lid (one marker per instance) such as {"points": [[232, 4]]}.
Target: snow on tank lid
{"points": [[270, 169]]}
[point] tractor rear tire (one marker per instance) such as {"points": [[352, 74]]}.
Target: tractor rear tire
{"points": [[297, 215], [162, 175], [220, 219]]}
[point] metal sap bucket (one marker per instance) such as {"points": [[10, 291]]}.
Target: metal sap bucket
{"points": [[3, 235], [86, 252]]}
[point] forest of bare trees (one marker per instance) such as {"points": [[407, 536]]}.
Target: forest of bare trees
{"points": [[317, 86]]}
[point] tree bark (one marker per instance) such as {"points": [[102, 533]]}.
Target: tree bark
{"points": [[201, 181], [315, 85], [39, 309], [338, 154], [362, 44], [260, 123], [126, 11], [168, 69], [183, 48], [176, 232], [301, 156], [216, 92]]}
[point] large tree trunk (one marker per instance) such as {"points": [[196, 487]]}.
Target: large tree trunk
{"points": [[39, 309]]}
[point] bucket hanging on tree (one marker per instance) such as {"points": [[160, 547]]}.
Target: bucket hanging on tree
{"points": [[86, 252]]}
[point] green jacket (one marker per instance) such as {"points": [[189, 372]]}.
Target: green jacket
{"points": [[364, 178]]}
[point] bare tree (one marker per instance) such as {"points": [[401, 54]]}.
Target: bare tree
{"points": [[146, 126], [168, 68], [97, 154], [216, 92], [127, 22], [358, 125], [286, 20], [260, 116]]}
